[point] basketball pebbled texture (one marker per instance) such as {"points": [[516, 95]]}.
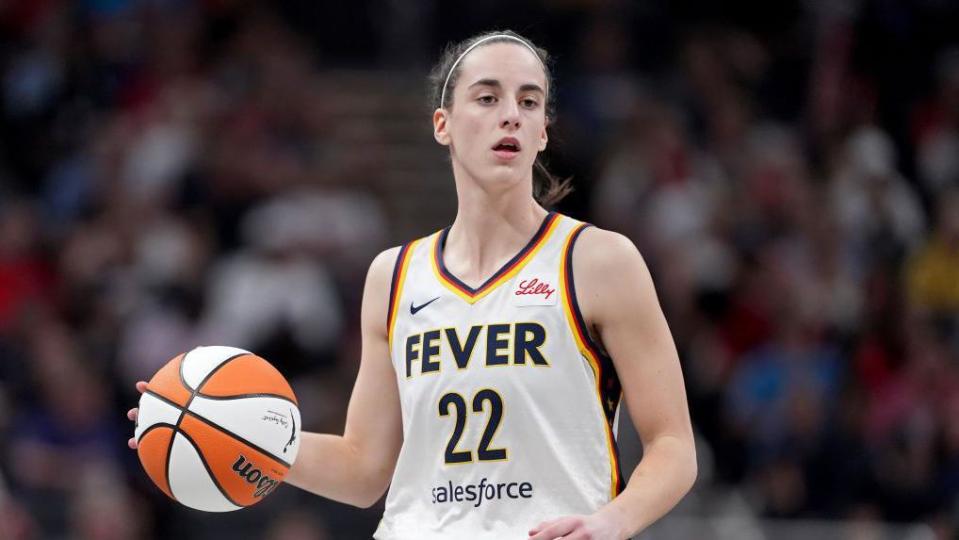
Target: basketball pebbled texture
{"points": [[218, 428]]}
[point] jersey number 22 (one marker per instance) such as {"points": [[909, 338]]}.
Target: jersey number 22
{"points": [[458, 404]]}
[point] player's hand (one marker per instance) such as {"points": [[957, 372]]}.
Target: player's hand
{"points": [[132, 413], [592, 527]]}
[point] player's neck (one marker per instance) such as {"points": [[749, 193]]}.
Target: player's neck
{"points": [[487, 232]]}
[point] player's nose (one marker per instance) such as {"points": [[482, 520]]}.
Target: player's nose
{"points": [[510, 115]]}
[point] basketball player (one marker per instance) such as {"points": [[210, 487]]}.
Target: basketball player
{"points": [[496, 351]]}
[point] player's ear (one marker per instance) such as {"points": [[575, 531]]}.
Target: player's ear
{"points": [[440, 126], [544, 136]]}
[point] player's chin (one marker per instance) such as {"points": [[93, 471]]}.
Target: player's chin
{"points": [[506, 177], [518, 163]]}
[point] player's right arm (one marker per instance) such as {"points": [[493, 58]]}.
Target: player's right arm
{"points": [[356, 467]]}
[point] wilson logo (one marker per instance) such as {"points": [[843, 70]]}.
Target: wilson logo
{"points": [[264, 484]]}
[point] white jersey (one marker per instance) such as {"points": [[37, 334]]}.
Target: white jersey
{"points": [[509, 408]]}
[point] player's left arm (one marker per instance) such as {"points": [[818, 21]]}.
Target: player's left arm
{"points": [[618, 301]]}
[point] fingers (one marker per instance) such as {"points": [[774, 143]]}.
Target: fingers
{"points": [[543, 525], [133, 413], [550, 530]]}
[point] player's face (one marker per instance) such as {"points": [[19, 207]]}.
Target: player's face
{"points": [[497, 124]]}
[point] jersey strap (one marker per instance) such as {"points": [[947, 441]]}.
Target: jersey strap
{"points": [[396, 287], [608, 388]]}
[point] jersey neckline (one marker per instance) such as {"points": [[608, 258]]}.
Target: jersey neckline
{"points": [[504, 274]]}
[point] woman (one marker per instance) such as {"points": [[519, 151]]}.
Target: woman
{"points": [[495, 352]]}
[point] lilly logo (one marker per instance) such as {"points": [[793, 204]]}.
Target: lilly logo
{"points": [[534, 286]]}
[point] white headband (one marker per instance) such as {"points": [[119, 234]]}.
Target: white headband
{"points": [[473, 46]]}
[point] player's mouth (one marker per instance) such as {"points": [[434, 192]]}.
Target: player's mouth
{"points": [[507, 148]]}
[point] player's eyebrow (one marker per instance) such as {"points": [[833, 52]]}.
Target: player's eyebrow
{"points": [[528, 87]]}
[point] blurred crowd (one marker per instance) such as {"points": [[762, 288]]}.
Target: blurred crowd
{"points": [[170, 176]]}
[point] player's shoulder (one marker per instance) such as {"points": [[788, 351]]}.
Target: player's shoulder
{"points": [[604, 251], [381, 269], [611, 277], [383, 265], [386, 258]]}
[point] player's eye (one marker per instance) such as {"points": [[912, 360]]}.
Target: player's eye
{"points": [[529, 103], [486, 99]]}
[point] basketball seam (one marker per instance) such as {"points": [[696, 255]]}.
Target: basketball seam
{"points": [[180, 370], [193, 393], [165, 400], [169, 490], [154, 426], [241, 396], [176, 428], [186, 408], [209, 471], [239, 438], [209, 422], [208, 375]]}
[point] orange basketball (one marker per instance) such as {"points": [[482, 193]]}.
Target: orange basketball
{"points": [[218, 428]]}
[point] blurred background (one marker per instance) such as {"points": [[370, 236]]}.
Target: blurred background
{"points": [[176, 173]]}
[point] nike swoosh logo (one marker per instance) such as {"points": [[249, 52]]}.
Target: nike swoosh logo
{"points": [[414, 309]]}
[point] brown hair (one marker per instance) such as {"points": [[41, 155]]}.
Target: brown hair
{"points": [[547, 188]]}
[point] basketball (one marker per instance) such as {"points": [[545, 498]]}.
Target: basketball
{"points": [[218, 428]]}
